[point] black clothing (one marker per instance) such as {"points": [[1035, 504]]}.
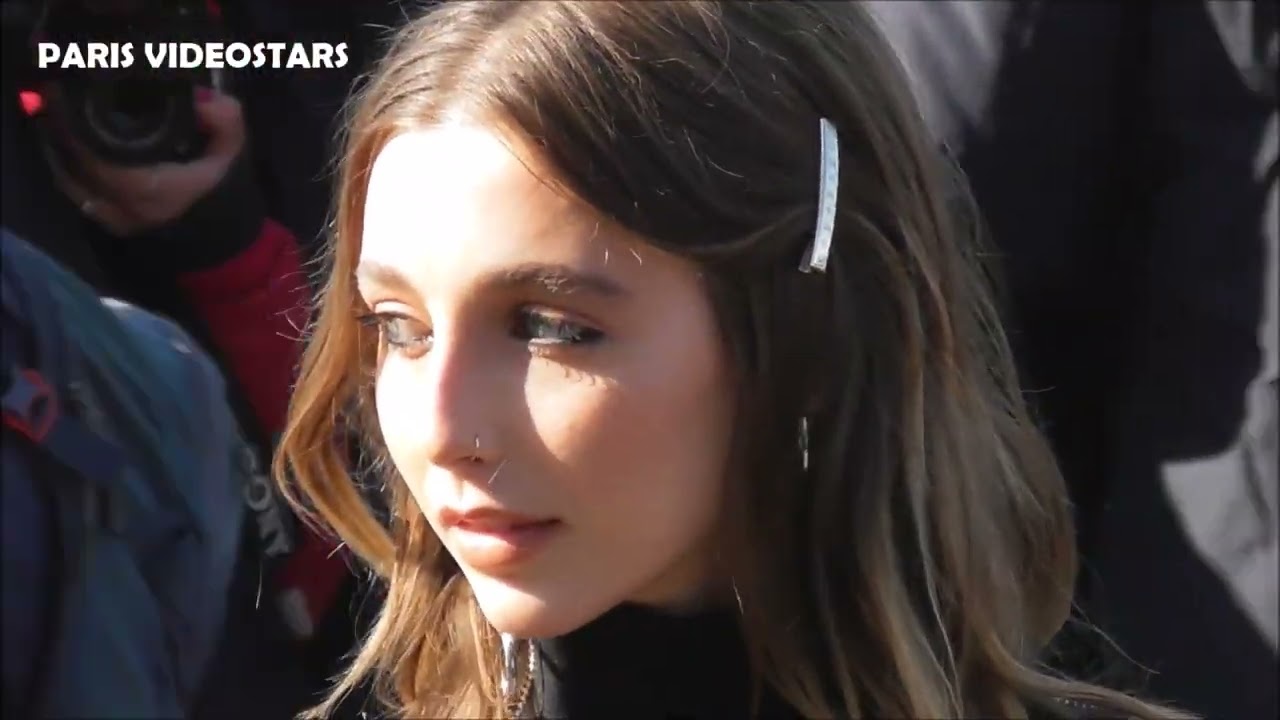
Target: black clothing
{"points": [[637, 664], [1124, 159]]}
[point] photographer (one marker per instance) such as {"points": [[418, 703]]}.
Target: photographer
{"points": [[191, 239], [201, 224]]}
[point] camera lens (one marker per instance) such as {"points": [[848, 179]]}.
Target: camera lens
{"points": [[131, 113]]}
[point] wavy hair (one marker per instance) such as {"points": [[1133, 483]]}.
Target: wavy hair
{"points": [[922, 564]]}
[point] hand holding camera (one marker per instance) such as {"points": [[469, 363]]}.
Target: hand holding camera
{"points": [[128, 200], [134, 147]]}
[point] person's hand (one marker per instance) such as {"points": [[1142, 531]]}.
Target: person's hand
{"points": [[128, 201]]}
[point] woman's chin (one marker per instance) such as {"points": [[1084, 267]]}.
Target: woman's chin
{"points": [[524, 614]]}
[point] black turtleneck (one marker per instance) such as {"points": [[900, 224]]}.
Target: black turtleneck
{"points": [[638, 663], [635, 663]]}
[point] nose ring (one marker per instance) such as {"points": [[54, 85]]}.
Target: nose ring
{"points": [[476, 455]]}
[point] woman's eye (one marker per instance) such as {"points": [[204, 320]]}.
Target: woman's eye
{"points": [[540, 327], [400, 333]]}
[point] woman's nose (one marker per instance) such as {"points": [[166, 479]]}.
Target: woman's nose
{"points": [[460, 403]]}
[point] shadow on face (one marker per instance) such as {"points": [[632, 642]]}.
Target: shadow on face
{"points": [[551, 388]]}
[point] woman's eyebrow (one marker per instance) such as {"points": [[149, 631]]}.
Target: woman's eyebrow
{"points": [[374, 273], [543, 277], [557, 279]]}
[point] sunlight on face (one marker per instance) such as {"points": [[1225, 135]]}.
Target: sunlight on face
{"points": [[551, 389]]}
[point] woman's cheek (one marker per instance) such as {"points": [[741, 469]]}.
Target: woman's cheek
{"points": [[397, 418]]}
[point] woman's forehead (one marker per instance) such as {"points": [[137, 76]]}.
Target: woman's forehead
{"points": [[454, 203], [459, 175]]}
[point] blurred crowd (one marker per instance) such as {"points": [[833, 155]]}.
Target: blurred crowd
{"points": [[1123, 158]]}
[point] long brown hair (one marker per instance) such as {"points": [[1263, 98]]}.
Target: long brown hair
{"points": [[921, 564]]}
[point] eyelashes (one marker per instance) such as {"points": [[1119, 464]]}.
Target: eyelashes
{"points": [[396, 333], [545, 328], [542, 330]]}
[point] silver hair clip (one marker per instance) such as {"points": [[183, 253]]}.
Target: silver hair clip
{"points": [[815, 257]]}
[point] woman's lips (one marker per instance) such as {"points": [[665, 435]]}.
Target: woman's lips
{"points": [[490, 539]]}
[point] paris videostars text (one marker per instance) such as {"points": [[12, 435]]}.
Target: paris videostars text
{"points": [[190, 55]]}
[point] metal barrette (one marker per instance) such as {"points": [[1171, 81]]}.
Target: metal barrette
{"points": [[815, 257], [819, 251]]}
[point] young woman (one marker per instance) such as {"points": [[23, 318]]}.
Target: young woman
{"points": [[688, 397]]}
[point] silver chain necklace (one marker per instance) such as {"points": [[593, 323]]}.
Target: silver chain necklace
{"points": [[515, 697]]}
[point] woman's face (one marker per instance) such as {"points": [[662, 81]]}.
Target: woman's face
{"points": [[551, 389]]}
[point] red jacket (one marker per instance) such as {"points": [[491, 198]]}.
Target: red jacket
{"points": [[255, 308], [241, 273]]}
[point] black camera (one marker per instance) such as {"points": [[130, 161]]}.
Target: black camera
{"points": [[128, 113]]}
